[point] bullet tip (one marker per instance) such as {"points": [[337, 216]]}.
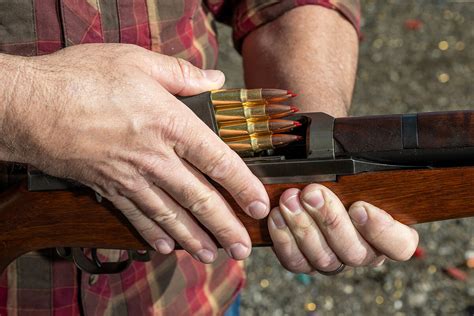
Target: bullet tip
{"points": [[294, 108], [298, 138], [297, 124], [291, 94]]}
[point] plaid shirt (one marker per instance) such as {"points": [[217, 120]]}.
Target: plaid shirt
{"points": [[40, 283]]}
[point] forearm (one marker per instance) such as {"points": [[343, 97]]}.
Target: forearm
{"points": [[310, 50], [10, 74]]}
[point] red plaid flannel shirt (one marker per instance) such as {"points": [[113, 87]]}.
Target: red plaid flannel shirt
{"points": [[41, 284]]}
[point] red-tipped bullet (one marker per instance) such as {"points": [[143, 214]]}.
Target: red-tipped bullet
{"points": [[297, 124], [291, 93], [294, 109]]}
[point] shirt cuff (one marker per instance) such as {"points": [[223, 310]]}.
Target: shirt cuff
{"points": [[251, 14]]}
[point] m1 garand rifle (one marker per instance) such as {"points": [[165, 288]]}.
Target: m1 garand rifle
{"points": [[417, 167]]}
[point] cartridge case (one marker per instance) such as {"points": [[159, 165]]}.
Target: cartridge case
{"points": [[257, 111], [256, 142], [255, 126], [239, 96]]}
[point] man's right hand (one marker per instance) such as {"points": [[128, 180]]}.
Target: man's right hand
{"points": [[105, 115]]}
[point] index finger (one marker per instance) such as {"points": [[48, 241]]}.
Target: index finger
{"points": [[208, 153]]}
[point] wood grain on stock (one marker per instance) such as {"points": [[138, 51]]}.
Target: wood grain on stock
{"points": [[36, 220]]}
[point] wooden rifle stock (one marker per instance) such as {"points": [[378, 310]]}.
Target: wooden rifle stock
{"points": [[36, 220], [32, 220]]}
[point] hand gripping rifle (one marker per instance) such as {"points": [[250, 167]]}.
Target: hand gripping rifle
{"points": [[417, 167]]}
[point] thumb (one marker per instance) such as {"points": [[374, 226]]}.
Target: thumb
{"points": [[180, 77]]}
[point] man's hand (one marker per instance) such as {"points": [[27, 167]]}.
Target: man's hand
{"points": [[106, 115], [311, 230]]}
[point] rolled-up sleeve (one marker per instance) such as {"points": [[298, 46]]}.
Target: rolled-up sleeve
{"points": [[247, 15]]}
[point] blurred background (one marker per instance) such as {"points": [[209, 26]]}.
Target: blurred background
{"points": [[414, 56]]}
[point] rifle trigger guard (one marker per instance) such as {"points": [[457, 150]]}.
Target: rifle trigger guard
{"points": [[64, 253], [142, 256], [95, 266]]}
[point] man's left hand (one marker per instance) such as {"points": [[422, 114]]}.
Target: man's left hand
{"points": [[311, 230]]}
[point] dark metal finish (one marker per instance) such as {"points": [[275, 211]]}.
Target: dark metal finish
{"points": [[320, 138], [410, 131], [39, 181], [201, 105], [269, 171], [334, 272], [64, 253], [142, 256], [95, 266], [441, 157], [311, 170]]}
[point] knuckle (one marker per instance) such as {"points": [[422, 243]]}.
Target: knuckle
{"points": [[174, 130], [355, 256], [220, 166], [132, 213], [304, 228], [330, 218], [166, 218], [189, 193], [201, 206], [181, 72], [149, 165], [326, 261], [130, 185], [184, 66], [296, 265]]}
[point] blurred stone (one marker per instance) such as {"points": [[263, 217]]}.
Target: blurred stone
{"points": [[398, 304], [348, 289], [417, 299]]}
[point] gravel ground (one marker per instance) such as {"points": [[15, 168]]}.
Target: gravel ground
{"points": [[415, 56]]}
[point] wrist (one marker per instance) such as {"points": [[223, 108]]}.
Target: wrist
{"points": [[14, 89]]}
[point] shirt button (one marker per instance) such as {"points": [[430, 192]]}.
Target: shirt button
{"points": [[93, 279]]}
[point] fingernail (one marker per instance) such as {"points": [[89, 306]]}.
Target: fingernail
{"points": [[163, 246], [293, 204], [238, 251], [359, 215], [257, 209], [378, 262], [212, 75], [205, 256], [278, 220], [314, 199]]}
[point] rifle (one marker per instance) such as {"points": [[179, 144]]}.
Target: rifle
{"points": [[417, 167]]}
